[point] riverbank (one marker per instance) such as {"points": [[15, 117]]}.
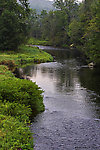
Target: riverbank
{"points": [[34, 41], [24, 55], [18, 98], [86, 57], [71, 120]]}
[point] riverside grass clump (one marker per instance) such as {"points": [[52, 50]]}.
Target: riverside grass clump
{"points": [[35, 41], [24, 55], [19, 99]]}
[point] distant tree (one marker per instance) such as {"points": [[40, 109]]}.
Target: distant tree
{"points": [[84, 31], [69, 6], [71, 23], [92, 33], [13, 23], [35, 30]]}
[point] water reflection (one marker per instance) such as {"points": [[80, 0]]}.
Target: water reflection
{"points": [[68, 88], [90, 79]]}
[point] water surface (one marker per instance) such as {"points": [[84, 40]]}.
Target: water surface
{"points": [[72, 103]]}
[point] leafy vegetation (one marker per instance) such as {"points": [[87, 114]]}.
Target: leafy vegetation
{"points": [[23, 92], [71, 24], [16, 110], [14, 134], [25, 54], [18, 100], [13, 23], [34, 41]]}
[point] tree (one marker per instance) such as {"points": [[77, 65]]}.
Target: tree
{"points": [[34, 24], [92, 33], [69, 6], [84, 31], [13, 23]]}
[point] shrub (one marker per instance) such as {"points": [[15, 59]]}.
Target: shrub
{"points": [[23, 92], [5, 72], [14, 134], [10, 63], [19, 111]]}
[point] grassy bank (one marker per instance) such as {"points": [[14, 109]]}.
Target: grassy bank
{"points": [[19, 98], [24, 55], [35, 41]]}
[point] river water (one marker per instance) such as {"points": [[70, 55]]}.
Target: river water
{"points": [[71, 120]]}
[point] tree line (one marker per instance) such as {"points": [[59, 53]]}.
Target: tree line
{"points": [[71, 24]]}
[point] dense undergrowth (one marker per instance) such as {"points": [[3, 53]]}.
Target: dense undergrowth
{"points": [[19, 99], [24, 55], [34, 41]]}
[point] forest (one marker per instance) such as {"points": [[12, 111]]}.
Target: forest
{"points": [[70, 24]]}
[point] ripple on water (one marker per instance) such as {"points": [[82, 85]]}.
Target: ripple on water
{"points": [[56, 132]]}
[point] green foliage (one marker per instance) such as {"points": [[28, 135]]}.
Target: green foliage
{"points": [[34, 41], [23, 92], [53, 26], [18, 100], [13, 23], [92, 34], [35, 29], [9, 63], [14, 134], [68, 6], [26, 54], [72, 23], [75, 32], [34, 54], [5, 72], [19, 111], [84, 31]]}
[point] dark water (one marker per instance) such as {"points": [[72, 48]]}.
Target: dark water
{"points": [[71, 120]]}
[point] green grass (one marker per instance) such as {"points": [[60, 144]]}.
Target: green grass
{"points": [[24, 55], [34, 41]]}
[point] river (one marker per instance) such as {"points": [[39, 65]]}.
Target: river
{"points": [[71, 120]]}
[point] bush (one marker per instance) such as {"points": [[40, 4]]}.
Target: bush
{"points": [[19, 111], [14, 134], [23, 92], [5, 72], [10, 63]]}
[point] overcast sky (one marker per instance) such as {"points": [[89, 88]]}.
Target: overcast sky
{"points": [[77, 0]]}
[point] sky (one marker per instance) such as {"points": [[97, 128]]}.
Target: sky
{"points": [[77, 0]]}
